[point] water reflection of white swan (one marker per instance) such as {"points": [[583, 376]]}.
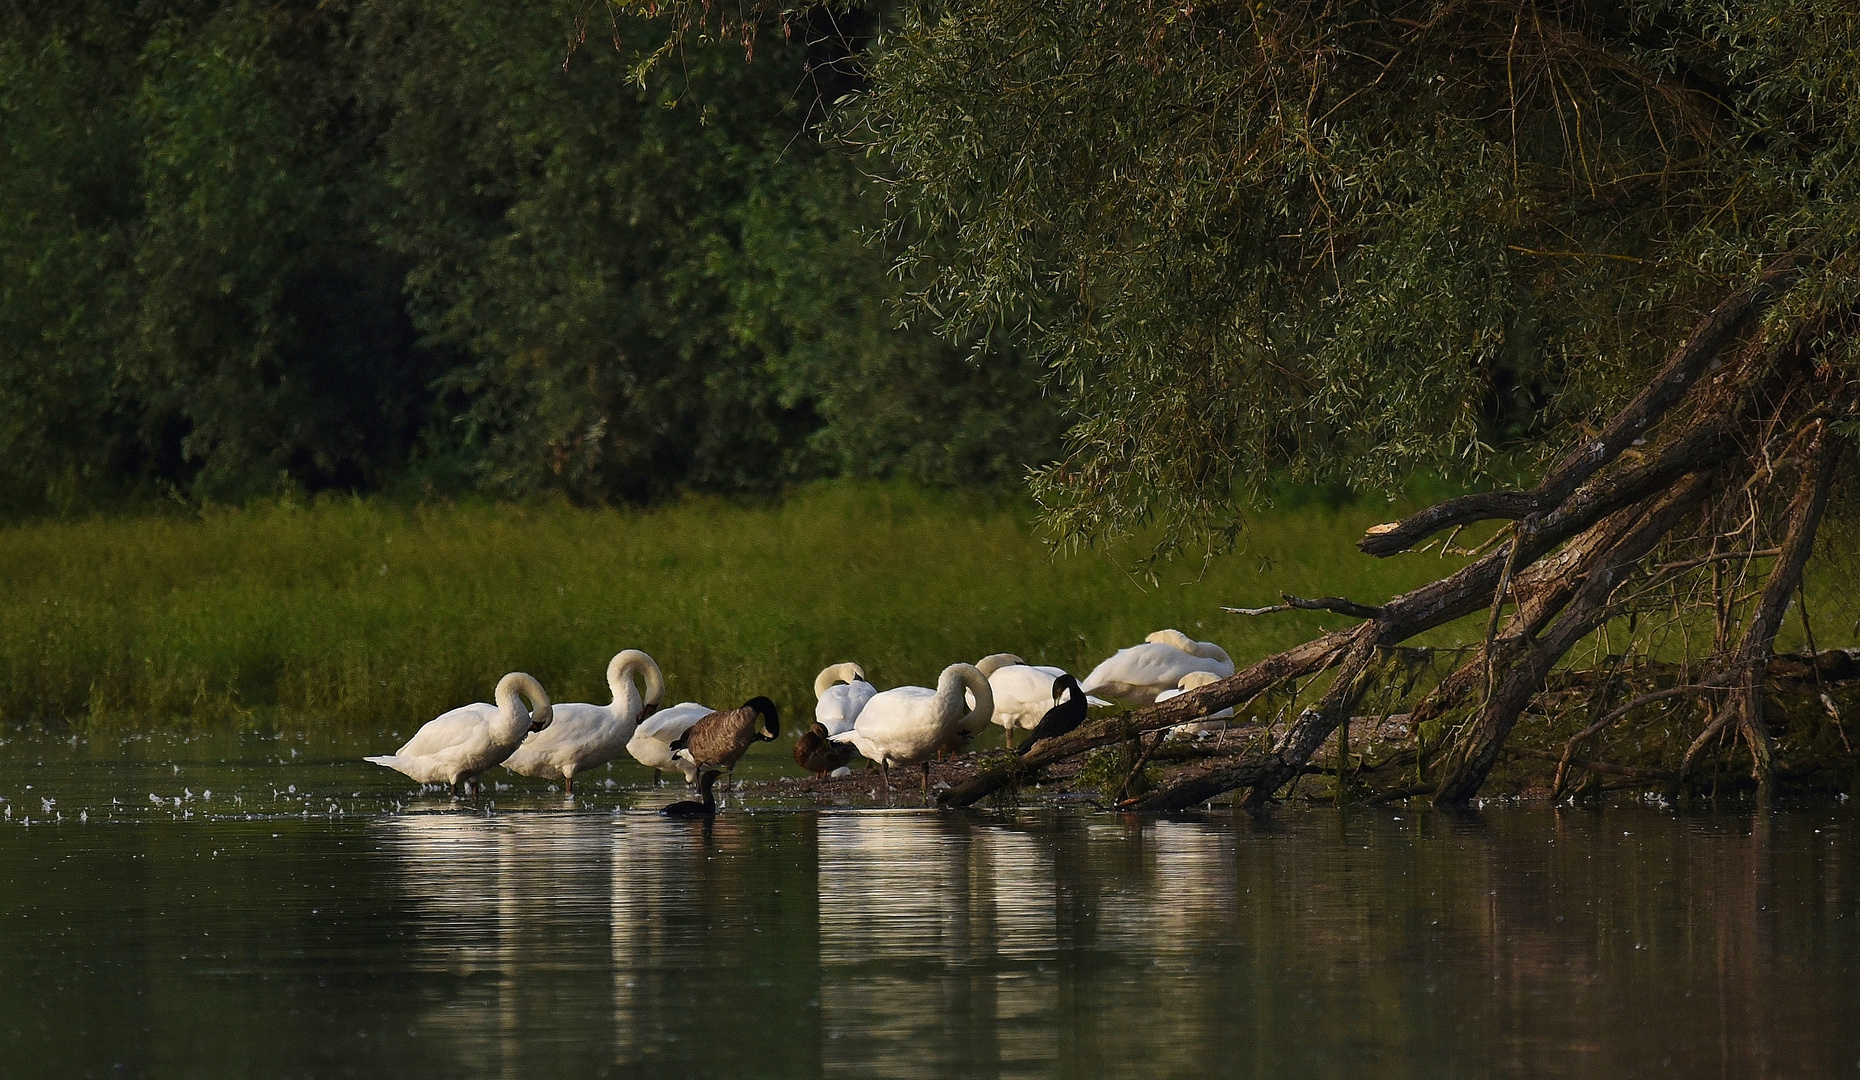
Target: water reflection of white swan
{"points": [[1139, 673], [583, 736], [1173, 917], [502, 905], [935, 947], [652, 953], [456, 746]]}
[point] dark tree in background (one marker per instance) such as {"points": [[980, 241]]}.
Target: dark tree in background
{"points": [[1346, 240], [396, 244]]}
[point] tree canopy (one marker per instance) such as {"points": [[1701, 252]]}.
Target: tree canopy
{"points": [[1353, 239], [369, 243]]}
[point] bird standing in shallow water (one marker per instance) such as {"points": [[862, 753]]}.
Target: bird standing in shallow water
{"points": [[584, 736], [1063, 717], [454, 747], [651, 744], [717, 742], [906, 725], [813, 751]]}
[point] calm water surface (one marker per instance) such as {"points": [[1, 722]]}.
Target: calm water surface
{"points": [[313, 917]]}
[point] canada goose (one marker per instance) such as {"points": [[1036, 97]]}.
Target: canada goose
{"points": [[651, 744], [906, 725], [717, 742], [1195, 680], [1139, 673], [815, 752], [583, 736], [1023, 691], [1063, 716], [705, 806], [456, 746], [839, 693]]}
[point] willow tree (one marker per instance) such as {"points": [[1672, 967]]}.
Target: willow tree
{"points": [[1324, 237]]}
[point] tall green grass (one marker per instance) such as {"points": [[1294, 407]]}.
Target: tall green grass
{"points": [[364, 614]]}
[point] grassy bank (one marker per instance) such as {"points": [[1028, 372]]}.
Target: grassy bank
{"points": [[365, 614]]}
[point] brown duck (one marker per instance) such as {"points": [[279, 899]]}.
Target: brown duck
{"points": [[814, 753], [717, 742]]}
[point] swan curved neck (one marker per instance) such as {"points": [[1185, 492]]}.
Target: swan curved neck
{"points": [[510, 708], [994, 662], [956, 678], [836, 674], [620, 672]]}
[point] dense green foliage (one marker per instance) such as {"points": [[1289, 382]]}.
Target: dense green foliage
{"points": [[1344, 240], [1351, 239], [374, 242]]}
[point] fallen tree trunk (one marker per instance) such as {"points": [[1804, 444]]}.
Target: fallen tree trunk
{"points": [[1603, 536]]}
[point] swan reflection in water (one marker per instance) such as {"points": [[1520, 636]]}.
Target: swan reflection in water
{"points": [[600, 941], [503, 905], [917, 944], [942, 945], [951, 947], [936, 940]]}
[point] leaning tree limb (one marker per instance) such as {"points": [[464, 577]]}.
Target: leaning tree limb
{"points": [[1541, 587], [1748, 664], [1540, 591], [1477, 750], [1434, 604], [1671, 385]]}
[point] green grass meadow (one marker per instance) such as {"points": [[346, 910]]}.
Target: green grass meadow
{"points": [[367, 617]]}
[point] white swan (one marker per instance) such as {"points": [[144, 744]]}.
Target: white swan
{"points": [[1139, 673], [1023, 691], [455, 747], [1195, 680], [839, 693], [583, 736], [906, 725], [651, 744]]}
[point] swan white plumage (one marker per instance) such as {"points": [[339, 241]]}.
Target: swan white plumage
{"points": [[583, 736], [1139, 673], [1023, 691], [840, 692], [1195, 680], [906, 725], [651, 744], [456, 746]]}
